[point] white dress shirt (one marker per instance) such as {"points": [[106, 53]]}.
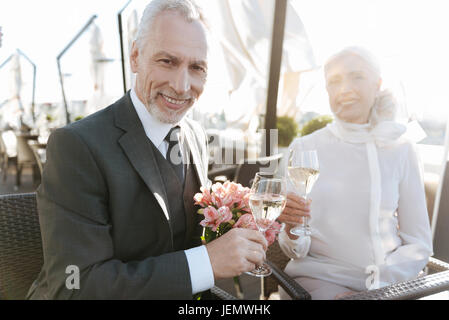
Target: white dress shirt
{"points": [[368, 214], [201, 273]]}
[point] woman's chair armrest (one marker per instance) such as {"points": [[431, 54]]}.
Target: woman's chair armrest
{"points": [[291, 287], [408, 290], [437, 265]]}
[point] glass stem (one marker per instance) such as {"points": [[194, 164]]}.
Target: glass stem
{"points": [[305, 220]]}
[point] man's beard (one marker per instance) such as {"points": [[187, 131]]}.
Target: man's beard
{"points": [[170, 117]]}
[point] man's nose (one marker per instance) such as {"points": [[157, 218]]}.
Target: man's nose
{"points": [[181, 81]]}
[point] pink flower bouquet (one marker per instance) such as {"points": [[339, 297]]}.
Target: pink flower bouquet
{"points": [[226, 206]]}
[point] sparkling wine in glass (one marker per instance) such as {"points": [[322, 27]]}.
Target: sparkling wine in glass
{"points": [[303, 171], [267, 201]]}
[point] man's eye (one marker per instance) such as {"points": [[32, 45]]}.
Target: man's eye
{"points": [[165, 61], [199, 68]]}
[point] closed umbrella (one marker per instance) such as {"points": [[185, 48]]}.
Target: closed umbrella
{"points": [[99, 98], [14, 109], [97, 56]]}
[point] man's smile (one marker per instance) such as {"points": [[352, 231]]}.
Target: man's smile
{"points": [[173, 103]]}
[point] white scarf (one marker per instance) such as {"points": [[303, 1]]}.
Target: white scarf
{"points": [[383, 134]]}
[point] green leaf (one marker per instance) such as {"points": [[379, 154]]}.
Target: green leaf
{"points": [[209, 235]]}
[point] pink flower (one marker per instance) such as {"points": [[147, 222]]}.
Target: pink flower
{"points": [[213, 217], [210, 215], [232, 187], [224, 215], [225, 201], [276, 226], [243, 203], [246, 221], [218, 189], [204, 198], [271, 233], [198, 199]]}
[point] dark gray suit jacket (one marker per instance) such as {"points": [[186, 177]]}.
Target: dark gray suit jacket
{"points": [[103, 208]]}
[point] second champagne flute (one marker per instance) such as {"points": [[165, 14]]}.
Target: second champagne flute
{"points": [[267, 201], [303, 171]]}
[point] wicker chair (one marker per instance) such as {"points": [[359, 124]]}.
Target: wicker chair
{"points": [[21, 256], [35, 147], [5, 159], [413, 289], [25, 156], [436, 281]]}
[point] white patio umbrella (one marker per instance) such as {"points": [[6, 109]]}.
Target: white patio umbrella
{"points": [[13, 110], [244, 31], [97, 55], [99, 99]]}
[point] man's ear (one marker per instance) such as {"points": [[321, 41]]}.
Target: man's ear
{"points": [[134, 57]]}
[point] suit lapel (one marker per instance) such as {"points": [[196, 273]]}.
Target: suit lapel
{"points": [[135, 145]]}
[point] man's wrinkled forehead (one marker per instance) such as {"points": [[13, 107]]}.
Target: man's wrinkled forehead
{"points": [[172, 32]]}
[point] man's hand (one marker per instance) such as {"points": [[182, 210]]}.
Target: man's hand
{"points": [[237, 251], [295, 209]]}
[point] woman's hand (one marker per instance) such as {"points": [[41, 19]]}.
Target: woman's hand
{"points": [[296, 208]]}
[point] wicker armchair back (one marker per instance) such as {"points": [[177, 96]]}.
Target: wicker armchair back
{"points": [[21, 255]]}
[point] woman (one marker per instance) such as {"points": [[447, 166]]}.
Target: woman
{"points": [[368, 215]]}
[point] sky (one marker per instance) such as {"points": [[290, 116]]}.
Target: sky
{"points": [[41, 29], [410, 36]]}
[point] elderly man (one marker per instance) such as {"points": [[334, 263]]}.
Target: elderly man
{"points": [[116, 200]]}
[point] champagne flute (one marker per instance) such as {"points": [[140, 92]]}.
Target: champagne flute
{"points": [[260, 175], [303, 171], [267, 201]]}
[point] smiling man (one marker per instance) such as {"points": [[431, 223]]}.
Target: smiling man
{"points": [[116, 199]]}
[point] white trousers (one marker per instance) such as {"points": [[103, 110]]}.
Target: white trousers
{"points": [[318, 289]]}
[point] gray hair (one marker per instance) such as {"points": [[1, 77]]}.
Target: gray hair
{"points": [[361, 52], [187, 8]]}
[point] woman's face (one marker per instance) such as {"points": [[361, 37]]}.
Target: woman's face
{"points": [[352, 87]]}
